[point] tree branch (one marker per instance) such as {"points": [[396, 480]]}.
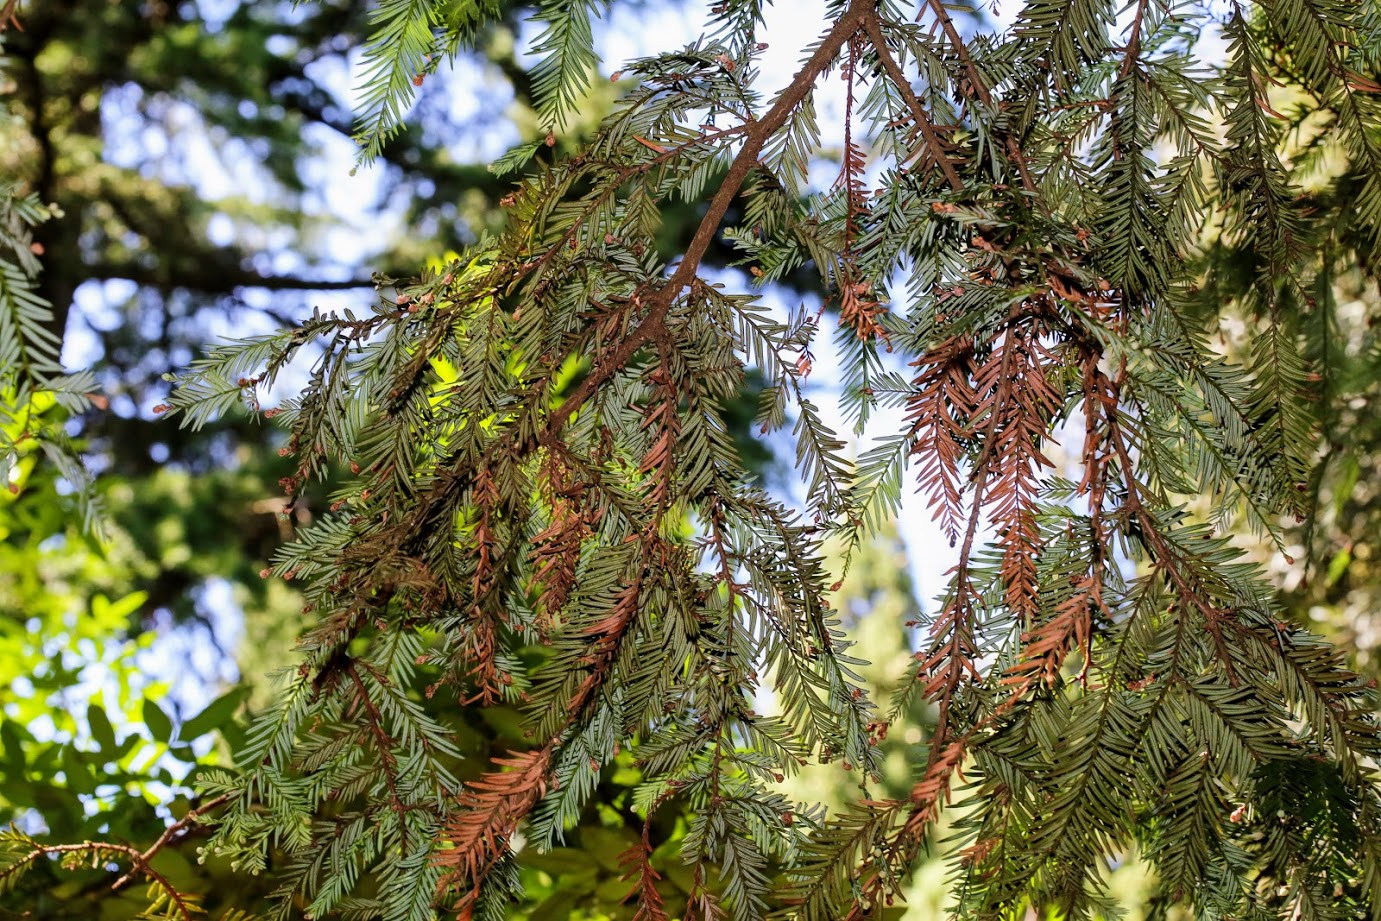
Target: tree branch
{"points": [[165, 280], [872, 26], [979, 87], [756, 138], [140, 862]]}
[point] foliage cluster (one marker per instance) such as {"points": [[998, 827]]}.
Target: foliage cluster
{"points": [[547, 515]]}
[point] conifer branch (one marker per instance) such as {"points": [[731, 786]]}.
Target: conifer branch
{"points": [[539, 457], [659, 302], [140, 864], [978, 87], [939, 153]]}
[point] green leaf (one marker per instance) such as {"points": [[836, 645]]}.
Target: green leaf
{"points": [[607, 844], [216, 714], [183, 753], [78, 774], [14, 747], [158, 722], [515, 159], [1338, 565], [101, 729], [112, 615], [561, 904]]}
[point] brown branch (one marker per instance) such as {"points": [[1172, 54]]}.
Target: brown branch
{"points": [[979, 87], [142, 859], [757, 135], [928, 797], [931, 134], [963, 591], [384, 744], [961, 51], [666, 156], [139, 860], [9, 15], [497, 801], [1166, 559], [1046, 647], [1133, 41], [947, 751], [356, 618], [638, 860], [1004, 392]]}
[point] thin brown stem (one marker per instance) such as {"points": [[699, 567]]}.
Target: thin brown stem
{"points": [[142, 861], [1133, 41], [756, 137], [979, 87], [961, 51], [1166, 558], [385, 746], [667, 155], [139, 860], [931, 134]]}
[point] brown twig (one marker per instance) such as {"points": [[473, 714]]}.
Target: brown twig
{"points": [[384, 744], [1166, 559], [141, 859], [756, 137], [931, 134], [1133, 41], [9, 15], [979, 87]]}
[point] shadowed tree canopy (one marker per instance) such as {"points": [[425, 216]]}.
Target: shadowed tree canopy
{"points": [[256, 89]]}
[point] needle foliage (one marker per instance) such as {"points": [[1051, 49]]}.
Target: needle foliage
{"points": [[546, 508]]}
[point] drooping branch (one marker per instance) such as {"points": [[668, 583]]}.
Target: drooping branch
{"points": [[930, 134], [186, 906], [755, 138], [978, 87]]}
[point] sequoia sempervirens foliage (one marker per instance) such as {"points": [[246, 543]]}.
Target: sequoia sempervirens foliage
{"points": [[545, 507]]}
